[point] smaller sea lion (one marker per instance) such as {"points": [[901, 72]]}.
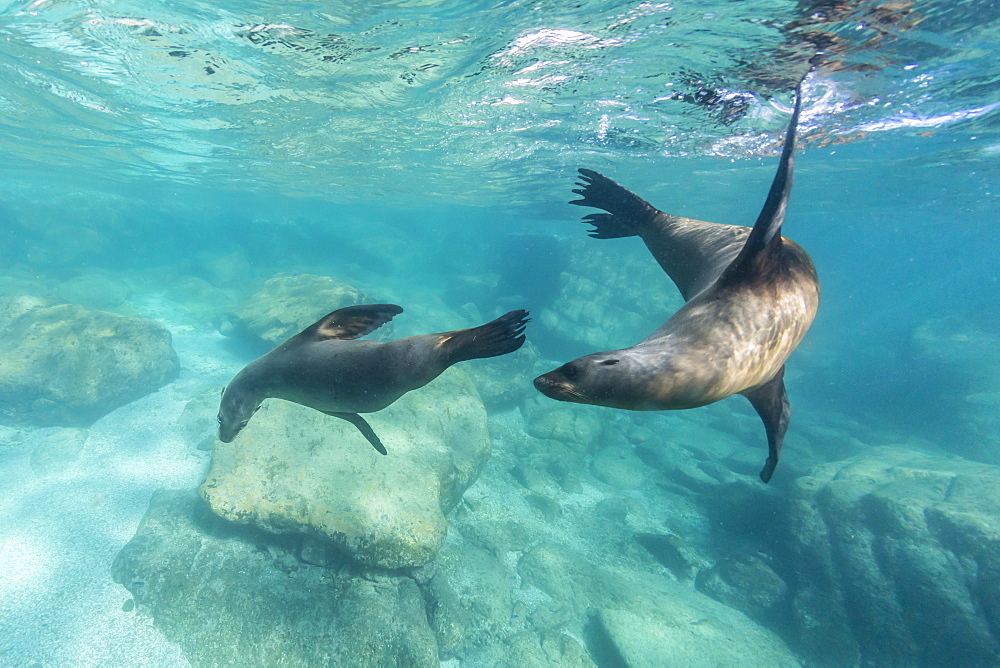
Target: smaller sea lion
{"points": [[325, 368]]}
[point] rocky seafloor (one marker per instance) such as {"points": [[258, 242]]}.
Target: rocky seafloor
{"points": [[502, 529]]}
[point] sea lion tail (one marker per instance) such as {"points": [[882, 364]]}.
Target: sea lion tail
{"points": [[499, 337], [626, 211]]}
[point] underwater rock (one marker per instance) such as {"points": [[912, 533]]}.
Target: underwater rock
{"points": [[578, 427], [477, 291], [671, 552], [961, 361], [979, 415], [295, 470], [505, 381], [635, 618], [67, 365], [475, 612], [228, 271], [197, 421], [223, 595], [618, 466], [472, 593], [534, 479], [961, 347], [746, 582], [598, 309], [201, 297], [97, 290], [13, 307], [563, 472], [56, 449], [672, 638], [896, 560], [12, 286], [526, 648], [287, 304]]}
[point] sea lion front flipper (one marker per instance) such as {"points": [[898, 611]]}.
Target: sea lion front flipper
{"points": [[351, 322], [626, 211], [363, 427], [771, 403], [692, 252]]}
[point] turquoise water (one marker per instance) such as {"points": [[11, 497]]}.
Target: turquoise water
{"points": [[164, 161]]}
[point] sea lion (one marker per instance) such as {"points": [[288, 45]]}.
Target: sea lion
{"points": [[750, 296], [325, 368]]}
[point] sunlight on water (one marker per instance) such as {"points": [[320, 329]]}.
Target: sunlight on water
{"points": [[228, 91]]}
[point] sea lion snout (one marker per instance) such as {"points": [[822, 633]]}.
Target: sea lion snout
{"points": [[556, 385], [227, 431], [235, 411], [545, 384]]}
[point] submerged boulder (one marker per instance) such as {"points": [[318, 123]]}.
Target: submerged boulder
{"points": [[227, 597], [296, 470], [197, 421], [896, 558], [961, 360], [578, 427], [748, 583], [642, 619], [200, 297], [600, 309], [287, 304], [68, 365], [504, 381], [96, 289]]}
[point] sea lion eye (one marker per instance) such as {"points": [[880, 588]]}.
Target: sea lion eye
{"points": [[608, 362], [569, 371]]}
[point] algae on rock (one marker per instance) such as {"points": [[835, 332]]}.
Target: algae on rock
{"points": [[295, 470]]}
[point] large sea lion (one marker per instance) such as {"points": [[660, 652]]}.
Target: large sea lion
{"points": [[325, 368], [751, 295]]}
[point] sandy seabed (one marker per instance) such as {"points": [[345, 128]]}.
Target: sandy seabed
{"points": [[61, 529]]}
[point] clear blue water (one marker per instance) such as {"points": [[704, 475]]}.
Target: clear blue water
{"points": [[408, 146]]}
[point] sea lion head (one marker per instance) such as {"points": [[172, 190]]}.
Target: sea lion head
{"points": [[235, 412], [602, 379]]}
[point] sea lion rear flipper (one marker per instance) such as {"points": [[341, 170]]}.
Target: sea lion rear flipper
{"points": [[499, 337], [765, 237], [771, 403], [363, 427], [351, 322], [626, 211]]}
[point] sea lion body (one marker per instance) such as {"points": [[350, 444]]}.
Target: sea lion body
{"points": [[724, 341], [750, 294], [326, 369], [369, 375]]}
